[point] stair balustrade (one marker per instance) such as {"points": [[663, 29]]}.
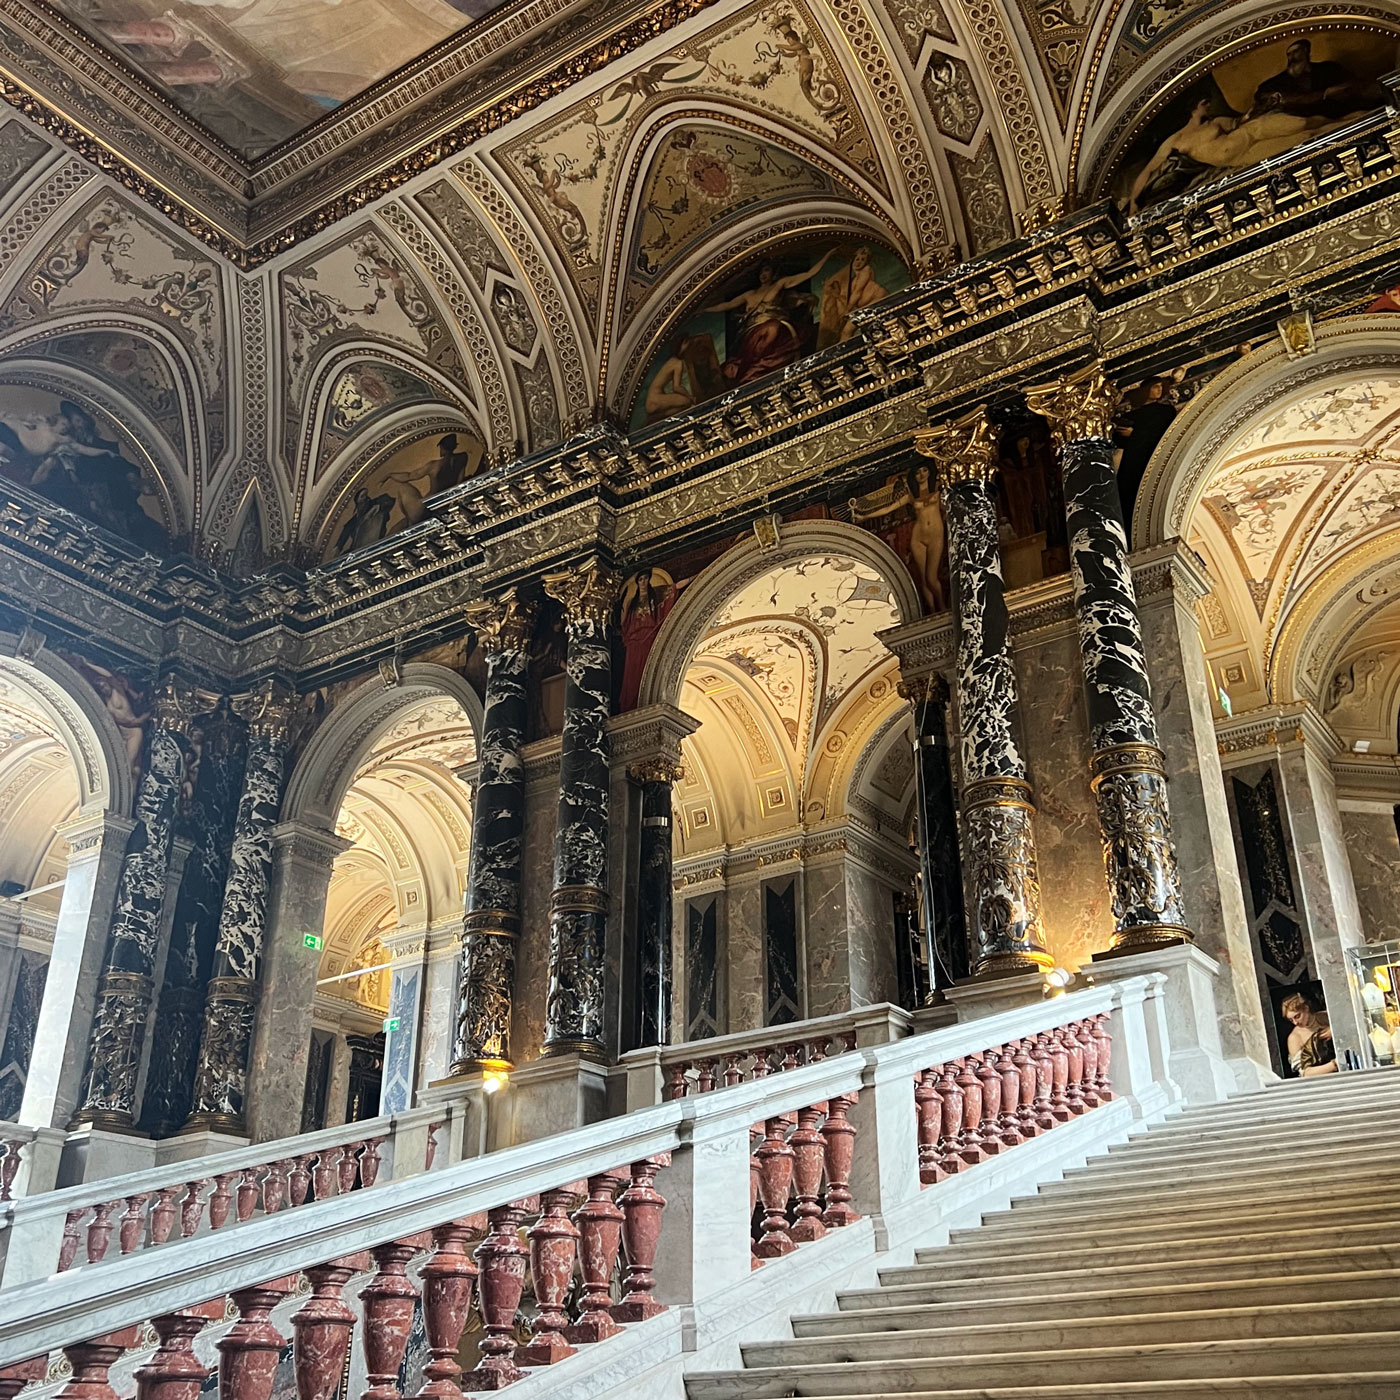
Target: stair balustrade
{"points": [[14, 1138], [55, 1231], [825, 1148]]}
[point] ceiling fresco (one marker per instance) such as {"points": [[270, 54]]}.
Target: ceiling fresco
{"points": [[255, 72]]}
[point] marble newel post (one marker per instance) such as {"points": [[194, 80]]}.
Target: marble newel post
{"points": [[491, 923], [1002, 880], [1127, 768], [655, 895], [231, 1000], [125, 990], [940, 867], [579, 905]]}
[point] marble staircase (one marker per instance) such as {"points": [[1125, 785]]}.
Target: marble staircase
{"points": [[1236, 1249]]}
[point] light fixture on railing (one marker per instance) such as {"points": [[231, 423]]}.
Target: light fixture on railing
{"points": [[1056, 980], [494, 1080]]}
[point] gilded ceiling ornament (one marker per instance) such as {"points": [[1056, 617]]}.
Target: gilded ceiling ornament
{"points": [[1077, 408], [588, 593], [963, 450], [178, 702], [502, 624]]}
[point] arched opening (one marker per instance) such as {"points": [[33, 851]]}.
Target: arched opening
{"points": [[381, 1007], [793, 860]]}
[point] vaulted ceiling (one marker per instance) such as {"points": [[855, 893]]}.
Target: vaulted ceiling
{"points": [[267, 305]]}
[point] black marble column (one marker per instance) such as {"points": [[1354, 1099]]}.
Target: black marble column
{"points": [[231, 998], [940, 866], [579, 905], [491, 922], [655, 896], [1127, 769], [124, 991], [1003, 883]]}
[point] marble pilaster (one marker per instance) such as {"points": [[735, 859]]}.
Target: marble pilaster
{"points": [[743, 942], [579, 904], [302, 857], [1373, 846], [1127, 767], [491, 923], [407, 949], [537, 868], [437, 1027], [654, 976], [230, 1008], [1000, 869], [125, 993], [53, 1082]]}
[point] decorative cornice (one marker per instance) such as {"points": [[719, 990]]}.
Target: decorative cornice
{"points": [[1257, 734]]}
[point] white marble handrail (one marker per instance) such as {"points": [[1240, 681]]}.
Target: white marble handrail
{"points": [[709, 1135], [54, 1230]]}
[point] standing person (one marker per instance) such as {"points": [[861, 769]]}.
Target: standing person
{"points": [[1310, 1048]]}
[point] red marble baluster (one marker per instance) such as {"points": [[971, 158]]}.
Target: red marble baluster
{"points": [[99, 1231], [755, 1137], [502, 1260], [1009, 1118], [839, 1139], [433, 1130], [928, 1109], [642, 1205], [1104, 1041], [676, 1084], [72, 1233], [599, 1220], [163, 1214], [299, 1180], [219, 1200], [322, 1327], [448, 1279], [775, 1159], [174, 1372], [1038, 1047], [1074, 1082], [808, 1154], [91, 1362], [274, 1187], [732, 1076], [369, 1162], [192, 1207], [9, 1168], [1059, 1072], [1025, 1095], [950, 1141], [249, 1352], [988, 1133], [387, 1300], [553, 1248], [1089, 1048], [761, 1067], [970, 1139], [345, 1168], [14, 1378], [706, 1077], [325, 1178], [790, 1056], [133, 1223], [247, 1193]]}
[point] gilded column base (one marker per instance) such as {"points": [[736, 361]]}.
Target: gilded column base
{"points": [[1130, 791], [123, 1007], [1003, 880]]}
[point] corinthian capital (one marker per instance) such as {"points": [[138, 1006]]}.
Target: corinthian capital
{"points": [[963, 450], [178, 702], [1076, 408], [503, 624], [266, 709], [587, 593]]}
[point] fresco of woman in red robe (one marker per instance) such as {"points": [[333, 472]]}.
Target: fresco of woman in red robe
{"points": [[647, 599]]}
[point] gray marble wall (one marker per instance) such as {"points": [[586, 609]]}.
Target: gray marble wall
{"points": [[826, 916], [537, 883], [744, 959], [870, 916], [1374, 850], [1075, 915]]}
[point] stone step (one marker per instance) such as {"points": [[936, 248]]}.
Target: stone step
{"points": [[933, 1286], [1352, 1385], [1344, 1091], [868, 1311], [1037, 1214], [1079, 1334], [1039, 1231], [1242, 1184], [1378, 1135], [1089, 1251], [1301, 1357], [1230, 1161], [1183, 1136]]}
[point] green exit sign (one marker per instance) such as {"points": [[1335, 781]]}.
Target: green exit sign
{"points": [[391, 1023], [312, 940]]}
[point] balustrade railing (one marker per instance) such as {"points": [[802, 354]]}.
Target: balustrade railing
{"points": [[555, 1246], [14, 1138], [73, 1227]]}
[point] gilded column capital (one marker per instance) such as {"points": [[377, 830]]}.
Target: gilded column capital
{"points": [[266, 709], [1077, 408], [962, 451], [657, 768], [930, 689], [503, 624], [178, 702], [588, 593]]}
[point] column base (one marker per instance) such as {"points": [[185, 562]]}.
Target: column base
{"points": [[583, 1049], [1001, 965], [463, 1068], [200, 1140], [976, 998], [1142, 938]]}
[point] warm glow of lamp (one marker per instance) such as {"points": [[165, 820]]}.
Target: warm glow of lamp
{"points": [[1056, 980], [494, 1079]]}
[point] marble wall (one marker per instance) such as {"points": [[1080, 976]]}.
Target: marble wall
{"points": [[1374, 851], [744, 949], [537, 883]]}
